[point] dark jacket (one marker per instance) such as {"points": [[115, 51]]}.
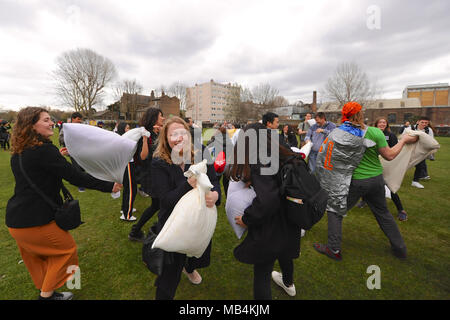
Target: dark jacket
{"points": [[290, 140], [143, 167], [46, 168], [270, 235], [391, 138], [171, 184]]}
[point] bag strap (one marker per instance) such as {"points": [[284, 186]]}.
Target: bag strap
{"points": [[52, 204]]}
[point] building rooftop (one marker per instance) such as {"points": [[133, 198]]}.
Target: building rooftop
{"points": [[428, 86]]}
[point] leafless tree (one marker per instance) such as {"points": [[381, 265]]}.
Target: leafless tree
{"points": [[178, 90], [127, 91], [240, 106], [81, 77], [350, 83], [264, 94]]}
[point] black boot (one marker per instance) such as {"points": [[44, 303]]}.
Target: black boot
{"points": [[136, 234]]}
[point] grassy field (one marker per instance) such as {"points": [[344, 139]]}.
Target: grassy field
{"points": [[111, 266]]}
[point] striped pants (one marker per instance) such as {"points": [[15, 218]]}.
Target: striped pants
{"points": [[47, 252]]}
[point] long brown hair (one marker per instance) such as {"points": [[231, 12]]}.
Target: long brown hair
{"points": [[163, 150], [358, 119], [388, 129], [23, 135]]}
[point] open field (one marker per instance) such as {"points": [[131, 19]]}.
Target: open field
{"points": [[111, 266]]}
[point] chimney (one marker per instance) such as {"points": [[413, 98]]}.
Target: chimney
{"points": [[314, 103]]}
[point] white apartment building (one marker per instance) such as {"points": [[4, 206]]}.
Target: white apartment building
{"points": [[208, 102]]}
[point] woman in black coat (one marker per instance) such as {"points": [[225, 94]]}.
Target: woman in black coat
{"points": [[169, 185], [289, 137], [46, 249], [152, 121], [270, 235], [382, 124]]}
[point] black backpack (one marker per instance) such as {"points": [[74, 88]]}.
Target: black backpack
{"points": [[305, 201]]}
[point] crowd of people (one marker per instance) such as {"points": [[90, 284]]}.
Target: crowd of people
{"points": [[47, 250]]}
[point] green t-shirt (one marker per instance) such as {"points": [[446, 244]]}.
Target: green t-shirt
{"points": [[370, 165]]}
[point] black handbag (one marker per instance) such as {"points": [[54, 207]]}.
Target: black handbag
{"points": [[67, 216], [153, 258]]}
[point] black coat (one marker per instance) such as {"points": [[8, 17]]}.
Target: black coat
{"points": [[391, 138], [290, 140], [270, 235], [46, 168], [170, 185]]}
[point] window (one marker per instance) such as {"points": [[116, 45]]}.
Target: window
{"points": [[407, 117], [402, 104], [380, 105], [392, 118]]}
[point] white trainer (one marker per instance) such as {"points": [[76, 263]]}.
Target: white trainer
{"points": [[278, 279], [302, 233], [417, 185], [132, 218]]}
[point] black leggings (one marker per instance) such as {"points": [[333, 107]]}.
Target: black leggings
{"points": [[262, 274], [129, 190], [148, 214], [396, 199]]}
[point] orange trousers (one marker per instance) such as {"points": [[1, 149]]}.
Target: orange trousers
{"points": [[47, 252]]}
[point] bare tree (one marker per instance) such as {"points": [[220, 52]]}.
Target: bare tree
{"points": [[264, 94], [127, 91], [81, 77], [240, 106], [349, 83], [178, 90]]}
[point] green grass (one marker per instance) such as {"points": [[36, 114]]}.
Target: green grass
{"points": [[111, 266]]}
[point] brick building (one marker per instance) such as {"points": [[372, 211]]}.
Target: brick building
{"points": [[431, 101], [133, 106]]}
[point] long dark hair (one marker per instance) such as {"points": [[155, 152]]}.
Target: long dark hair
{"points": [[149, 118], [241, 171], [121, 127]]}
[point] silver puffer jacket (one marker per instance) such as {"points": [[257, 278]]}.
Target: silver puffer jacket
{"points": [[338, 157]]}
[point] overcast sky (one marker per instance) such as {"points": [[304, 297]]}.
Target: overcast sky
{"points": [[292, 45]]}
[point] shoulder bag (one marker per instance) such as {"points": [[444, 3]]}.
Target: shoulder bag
{"points": [[67, 216]]}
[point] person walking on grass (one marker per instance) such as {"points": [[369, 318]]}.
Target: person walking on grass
{"points": [[129, 183], [169, 186], [152, 121], [317, 133], [46, 250], [383, 124], [367, 182], [421, 171], [270, 235], [303, 128]]}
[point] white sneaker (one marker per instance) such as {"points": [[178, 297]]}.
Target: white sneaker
{"points": [[417, 185], [134, 210], [425, 178], [302, 233], [278, 279], [132, 218]]}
